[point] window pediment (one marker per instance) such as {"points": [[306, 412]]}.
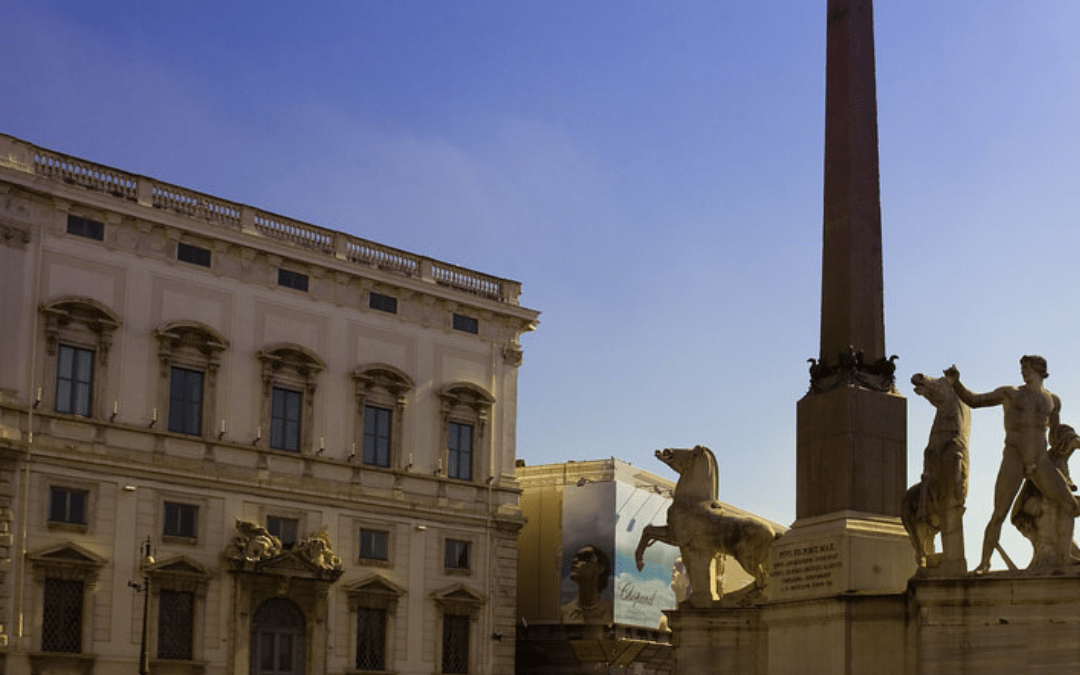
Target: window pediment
{"points": [[291, 356], [192, 335], [466, 394], [84, 320], [374, 592], [67, 561], [383, 376], [459, 599]]}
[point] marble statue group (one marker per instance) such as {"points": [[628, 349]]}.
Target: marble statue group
{"points": [[1033, 483], [1033, 488]]}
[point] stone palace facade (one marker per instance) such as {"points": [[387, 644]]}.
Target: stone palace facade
{"points": [[301, 442]]}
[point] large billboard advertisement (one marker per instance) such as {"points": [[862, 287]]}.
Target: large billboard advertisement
{"points": [[640, 596], [600, 582], [588, 551]]}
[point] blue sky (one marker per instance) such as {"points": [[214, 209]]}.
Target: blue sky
{"points": [[651, 172]]}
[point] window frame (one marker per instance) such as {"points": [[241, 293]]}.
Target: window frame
{"points": [[374, 592], [184, 575], [90, 228], [68, 524], [83, 323], [196, 347], [458, 601], [380, 436], [180, 536], [369, 559], [382, 386], [295, 522], [67, 561], [292, 367], [286, 430], [181, 409], [464, 403], [193, 254], [464, 549], [75, 402]]}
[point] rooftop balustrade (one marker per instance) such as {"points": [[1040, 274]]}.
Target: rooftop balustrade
{"points": [[20, 155]]}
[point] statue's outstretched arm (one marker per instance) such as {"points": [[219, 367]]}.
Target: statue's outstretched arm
{"points": [[996, 397]]}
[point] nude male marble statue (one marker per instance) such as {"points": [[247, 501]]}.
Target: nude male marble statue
{"points": [[1030, 410]]}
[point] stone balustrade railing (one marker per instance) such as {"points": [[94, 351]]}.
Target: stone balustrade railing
{"points": [[19, 155]]}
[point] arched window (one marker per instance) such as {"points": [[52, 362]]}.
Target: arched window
{"points": [[289, 372], [380, 402], [465, 412], [189, 354], [78, 335], [277, 638]]}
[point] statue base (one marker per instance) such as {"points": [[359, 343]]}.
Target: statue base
{"points": [[1002, 622], [845, 552]]}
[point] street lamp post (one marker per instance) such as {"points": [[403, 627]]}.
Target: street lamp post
{"points": [[144, 588]]}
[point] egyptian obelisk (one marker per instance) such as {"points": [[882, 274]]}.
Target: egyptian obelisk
{"points": [[852, 425]]}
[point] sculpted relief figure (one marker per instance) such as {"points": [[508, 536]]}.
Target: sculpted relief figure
{"points": [[253, 543], [1029, 411], [936, 503], [697, 524], [1048, 525]]}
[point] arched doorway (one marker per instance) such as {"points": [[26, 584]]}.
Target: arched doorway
{"points": [[277, 639]]}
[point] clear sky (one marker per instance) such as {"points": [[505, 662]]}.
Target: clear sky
{"points": [[650, 171]]}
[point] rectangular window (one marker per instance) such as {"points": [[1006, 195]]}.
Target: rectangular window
{"points": [[290, 279], [62, 616], [459, 450], [176, 625], [455, 644], [67, 506], [370, 639], [466, 323], [374, 544], [84, 227], [284, 529], [74, 380], [376, 436], [383, 303], [457, 554], [181, 520], [185, 401], [193, 254], [285, 419]]}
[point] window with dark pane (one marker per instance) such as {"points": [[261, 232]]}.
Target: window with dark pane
{"points": [[62, 616], [455, 656], [195, 255], [84, 227], [67, 506], [74, 380], [176, 624], [370, 639], [466, 324], [180, 520], [459, 450], [185, 401], [374, 544], [383, 303], [457, 554], [290, 279], [284, 529], [285, 419], [376, 436]]}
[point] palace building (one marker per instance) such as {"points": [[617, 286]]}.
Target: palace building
{"points": [[236, 443]]}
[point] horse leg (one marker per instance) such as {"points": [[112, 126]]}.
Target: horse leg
{"points": [[649, 534], [699, 569]]}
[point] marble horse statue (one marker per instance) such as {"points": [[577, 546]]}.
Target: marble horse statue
{"points": [[697, 524], [1045, 523], [936, 503]]}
